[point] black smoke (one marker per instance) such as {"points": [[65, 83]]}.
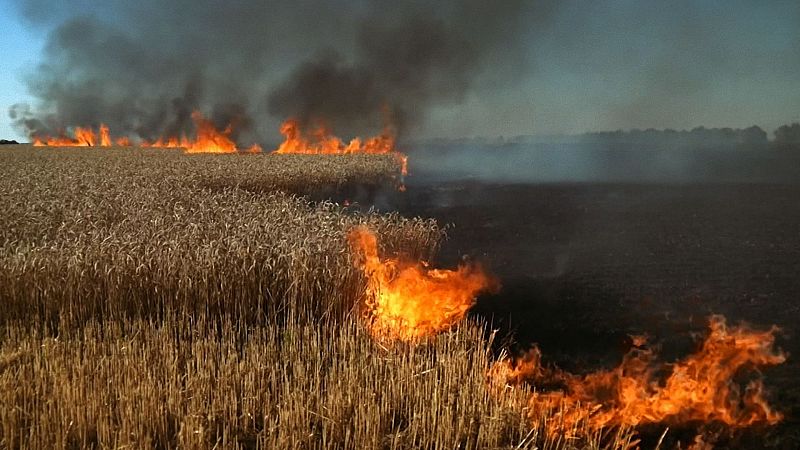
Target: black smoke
{"points": [[403, 65], [143, 67]]}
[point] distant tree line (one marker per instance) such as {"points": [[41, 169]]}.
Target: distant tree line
{"points": [[700, 137], [696, 137], [788, 134]]}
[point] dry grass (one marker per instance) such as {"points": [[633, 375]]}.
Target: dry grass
{"points": [[151, 302], [103, 234], [301, 386]]}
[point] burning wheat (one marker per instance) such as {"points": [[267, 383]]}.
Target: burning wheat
{"points": [[154, 299], [406, 300]]}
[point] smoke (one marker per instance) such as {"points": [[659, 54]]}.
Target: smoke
{"points": [[143, 67], [400, 64]]}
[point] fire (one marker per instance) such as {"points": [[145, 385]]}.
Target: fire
{"points": [[208, 139], [407, 300], [84, 137], [105, 139], [699, 388], [321, 141]]}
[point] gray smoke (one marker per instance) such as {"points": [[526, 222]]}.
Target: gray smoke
{"points": [[143, 67]]}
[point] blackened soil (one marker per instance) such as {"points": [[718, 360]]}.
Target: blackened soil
{"points": [[584, 266]]}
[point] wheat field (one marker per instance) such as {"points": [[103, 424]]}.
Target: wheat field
{"points": [[152, 299]]}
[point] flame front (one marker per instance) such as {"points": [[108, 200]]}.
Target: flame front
{"points": [[407, 300], [699, 388], [321, 141], [208, 139], [84, 137]]}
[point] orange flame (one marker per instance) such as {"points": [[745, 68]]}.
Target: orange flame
{"points": [[321, 141], [407, 300], [105, 139], [699, 388], [208, 140], [84, 137]]}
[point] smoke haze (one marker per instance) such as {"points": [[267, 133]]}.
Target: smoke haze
{"points": [[451, 68], [143, 67]]}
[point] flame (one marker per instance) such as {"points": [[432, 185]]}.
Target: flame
{"points": [[407, 300], [254, 149], [321, 141], [699, 388], [105, 140], [84, 137], [208, 140]]}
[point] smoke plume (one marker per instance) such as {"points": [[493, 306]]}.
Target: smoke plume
{"points": [[143, 67]]}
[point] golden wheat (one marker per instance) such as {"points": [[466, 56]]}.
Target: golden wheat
{"points": [[156, 300], [99, 233]]}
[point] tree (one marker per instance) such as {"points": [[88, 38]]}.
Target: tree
{"points": [[753, 135], [788, 134]]}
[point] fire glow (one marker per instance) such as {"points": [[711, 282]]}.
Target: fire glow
{"points": [[700, 388], [321, 141], [84, 137], [407, 300], [208, 139]]}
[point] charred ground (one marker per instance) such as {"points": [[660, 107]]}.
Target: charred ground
{"points": [[586, 265]]}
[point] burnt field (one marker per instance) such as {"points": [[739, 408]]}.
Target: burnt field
{"points": [[181, 267], [586, 265]]}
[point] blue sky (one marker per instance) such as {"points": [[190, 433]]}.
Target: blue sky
{"points": [[591, 66], [20, 49]]}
